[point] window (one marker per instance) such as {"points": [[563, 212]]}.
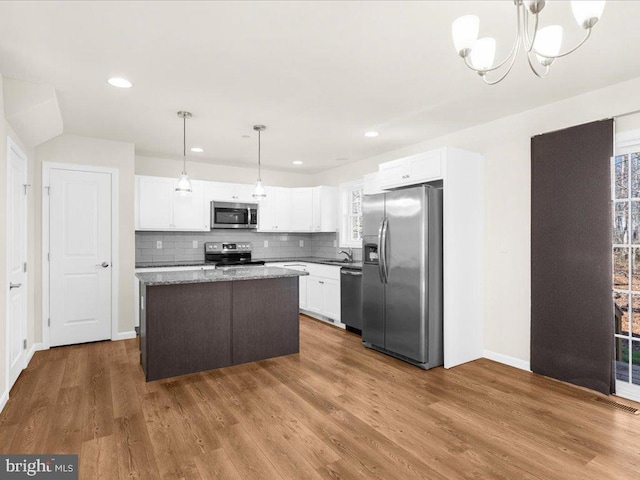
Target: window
{"points": [[351, 214]]}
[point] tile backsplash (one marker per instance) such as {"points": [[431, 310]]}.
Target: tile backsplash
{"points": [[179, 246]]}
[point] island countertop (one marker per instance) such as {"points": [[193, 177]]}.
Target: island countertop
{"points": [[216, 275]]}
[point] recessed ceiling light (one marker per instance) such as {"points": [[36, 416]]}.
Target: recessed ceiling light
{"points": [[371, 134], [297, 162], [197, 149], [246, 136], [120, 82]]}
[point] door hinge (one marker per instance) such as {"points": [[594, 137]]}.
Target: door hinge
{"points": [[24, 344], [48, 189], [48, 257], [48, 322], [26, 185], [24, 267]]}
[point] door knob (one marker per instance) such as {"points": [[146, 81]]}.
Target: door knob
{"points": [[103, 265], [14, 285]]}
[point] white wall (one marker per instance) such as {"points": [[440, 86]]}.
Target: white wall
{"points": [[105, 153], [505, 144], [166, 167]]}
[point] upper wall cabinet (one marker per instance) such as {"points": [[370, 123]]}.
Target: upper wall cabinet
{"points": [[229, 192], [299, 210], [325, 209], [159, 207], [274, 212], [412, 170], [302, 209]]}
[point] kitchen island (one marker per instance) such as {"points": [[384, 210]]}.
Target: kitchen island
{"points": [[191, 321]]}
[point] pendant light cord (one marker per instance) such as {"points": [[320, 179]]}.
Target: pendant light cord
{"points": [[259, 170], [184, 145]]}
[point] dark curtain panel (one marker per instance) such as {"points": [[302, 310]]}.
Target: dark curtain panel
{"points": [[571, 233]]}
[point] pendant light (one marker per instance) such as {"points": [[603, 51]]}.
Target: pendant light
{"points": [[184, 184], [259, 193]]}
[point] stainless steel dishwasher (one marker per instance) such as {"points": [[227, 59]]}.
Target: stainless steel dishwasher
{"points": [[351, 299]]}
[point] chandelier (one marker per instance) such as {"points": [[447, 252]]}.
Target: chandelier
{"points": [[542, 44]]}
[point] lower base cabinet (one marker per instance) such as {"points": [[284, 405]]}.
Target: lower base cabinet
{"points": [[319, 291]]}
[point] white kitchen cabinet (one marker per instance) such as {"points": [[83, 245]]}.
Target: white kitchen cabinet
{"points": [[190, 212], [301, 210], [412, 170], [160, 208], [274, 212], [323, 291], [229, 192], [331, 298], [315, 295], [154, 197], [372, 184], [319, 291], [325, 209]]}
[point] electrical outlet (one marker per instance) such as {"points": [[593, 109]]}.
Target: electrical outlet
{"points": [[195, 244], [266, 244], [302, 243], [159, 244]]}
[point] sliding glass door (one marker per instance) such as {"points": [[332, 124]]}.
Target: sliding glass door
{"points": [[625, 176]]}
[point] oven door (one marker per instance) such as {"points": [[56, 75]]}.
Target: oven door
{"points": [[234, 215]]}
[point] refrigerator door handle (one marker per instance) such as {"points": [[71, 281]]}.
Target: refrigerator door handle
{"points": [[380, 265], [383, 249]]}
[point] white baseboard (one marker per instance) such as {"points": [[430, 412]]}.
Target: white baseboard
{"points": [[124, 335], [507, 360], [3, 400], [34, 348]]}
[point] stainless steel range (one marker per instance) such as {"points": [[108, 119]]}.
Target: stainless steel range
{"points": [[224, 254]]}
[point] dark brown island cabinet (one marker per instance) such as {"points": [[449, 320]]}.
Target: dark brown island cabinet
{"points": [[196, 321]]}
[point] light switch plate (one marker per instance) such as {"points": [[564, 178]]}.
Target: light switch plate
{"points": [[335, 243], [266, 244], [159, 244], [302, 243], [195, 244]]}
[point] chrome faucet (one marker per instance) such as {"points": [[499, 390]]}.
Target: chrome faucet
{"points": [[348, 253]]}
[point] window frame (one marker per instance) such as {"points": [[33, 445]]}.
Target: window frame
{"points": [[346, 189]]}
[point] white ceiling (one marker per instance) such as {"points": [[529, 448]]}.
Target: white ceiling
{"points": [[318, 74]]}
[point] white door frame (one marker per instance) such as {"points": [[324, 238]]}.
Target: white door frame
{"points": [[46, 169], [13, 146], [626, 143]]}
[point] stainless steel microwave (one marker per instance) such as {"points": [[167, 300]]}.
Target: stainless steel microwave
{"points": [[234, 215]]}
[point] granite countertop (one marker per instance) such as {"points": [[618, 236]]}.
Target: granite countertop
{"points": [[200, 263], [357, 265], [183, 263], [216, 275]]}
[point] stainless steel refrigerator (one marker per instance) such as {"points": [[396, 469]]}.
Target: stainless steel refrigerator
{"points": [[402, 274]]}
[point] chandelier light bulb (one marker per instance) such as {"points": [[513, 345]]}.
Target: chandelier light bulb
{"points": [[483, 53], [534, 6], [547, 44], [587, 13], [465, 33]]}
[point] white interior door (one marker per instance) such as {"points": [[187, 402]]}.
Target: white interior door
{"points": [[17, 250], [80, 256]]}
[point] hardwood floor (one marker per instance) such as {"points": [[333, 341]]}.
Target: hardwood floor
{"points": [[335, 411]]}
